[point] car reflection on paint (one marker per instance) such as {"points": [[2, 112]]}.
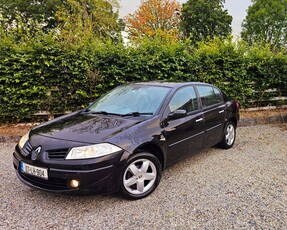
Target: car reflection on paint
{"points": [[124, 140]]}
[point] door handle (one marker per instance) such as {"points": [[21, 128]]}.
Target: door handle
{"points": [[221, 111], [199, 120]]}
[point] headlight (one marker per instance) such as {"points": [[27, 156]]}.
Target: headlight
{"points": [[92, 151], [23, 140]]}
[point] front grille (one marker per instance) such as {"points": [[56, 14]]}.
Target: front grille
{"points": [[57, 153], [27, 148], [51, 183]]}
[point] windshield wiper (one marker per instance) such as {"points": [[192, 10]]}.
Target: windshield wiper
{"points": [[135, 114], [104, 113]]}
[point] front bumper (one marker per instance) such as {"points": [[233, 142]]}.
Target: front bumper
{"points": [[94, 178]]}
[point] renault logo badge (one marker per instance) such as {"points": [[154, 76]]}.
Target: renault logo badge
{"points": [[35, 153]]}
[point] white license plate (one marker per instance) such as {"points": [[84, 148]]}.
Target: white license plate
{"points": [[34, 171]]}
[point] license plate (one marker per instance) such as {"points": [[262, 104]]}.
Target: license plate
{"points": [[34, 171]]}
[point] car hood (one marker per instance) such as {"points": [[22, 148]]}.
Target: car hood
{"points": [[86, 128]]}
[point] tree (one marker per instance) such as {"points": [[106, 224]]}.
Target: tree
{"points": [[205, 19], [83, 18], [73, 20], [266, 23], [154, 17], [28, 11]]}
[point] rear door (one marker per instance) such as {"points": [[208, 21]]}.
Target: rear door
{"points": [[213, 108], [183, 135]]}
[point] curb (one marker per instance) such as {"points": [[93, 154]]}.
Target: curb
{"points": [[279, 119]]}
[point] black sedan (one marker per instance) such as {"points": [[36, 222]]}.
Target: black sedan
{"points": [[124, 140]]}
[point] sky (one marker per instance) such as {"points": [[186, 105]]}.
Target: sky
{"points": [[236, 8]]}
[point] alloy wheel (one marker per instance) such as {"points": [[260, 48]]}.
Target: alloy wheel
{"points": [[140, 176], [230, 134]]}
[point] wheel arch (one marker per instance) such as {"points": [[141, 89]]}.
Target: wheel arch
{"points": [[153, 149], [234, 120]]}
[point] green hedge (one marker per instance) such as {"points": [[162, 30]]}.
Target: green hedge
{"points": [[49, 75]]}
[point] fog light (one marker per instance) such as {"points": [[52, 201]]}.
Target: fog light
{"points": [[75, 183]]}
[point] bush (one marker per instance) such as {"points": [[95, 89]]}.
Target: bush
{"points": [[45, 74]]}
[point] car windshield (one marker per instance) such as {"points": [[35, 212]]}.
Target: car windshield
{"points": [[135, 99]]}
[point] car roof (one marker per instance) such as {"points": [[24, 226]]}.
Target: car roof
{"points": [[170, 84]]}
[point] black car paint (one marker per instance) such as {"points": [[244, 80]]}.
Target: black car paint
{"points": [[171, 140]]}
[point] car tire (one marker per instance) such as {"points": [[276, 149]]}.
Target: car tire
{"points": [[141, 175], [229, 136]]}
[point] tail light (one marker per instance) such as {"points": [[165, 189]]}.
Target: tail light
{"points": [[237, 104]]}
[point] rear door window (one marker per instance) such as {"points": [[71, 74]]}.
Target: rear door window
{"points": [[209, 95]]}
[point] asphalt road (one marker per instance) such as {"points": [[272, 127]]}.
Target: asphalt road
{"points": [[241, 188]]}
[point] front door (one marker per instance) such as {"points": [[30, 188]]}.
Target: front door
{"points": [[183, 135]]}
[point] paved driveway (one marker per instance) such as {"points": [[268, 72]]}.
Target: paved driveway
{"points": [[242, 188]]}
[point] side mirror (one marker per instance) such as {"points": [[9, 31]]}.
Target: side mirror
{"points": [[180, 113]]}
